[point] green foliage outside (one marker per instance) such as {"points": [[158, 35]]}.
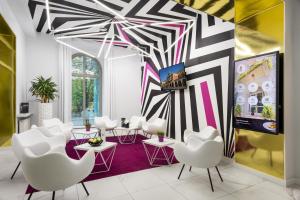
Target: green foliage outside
{"points": [[77, 91], [77, 95]]}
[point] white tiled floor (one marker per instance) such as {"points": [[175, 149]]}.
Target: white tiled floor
{"points": [[153, 184]]}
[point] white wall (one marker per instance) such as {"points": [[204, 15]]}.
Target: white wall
{"points": [[292, 92], [125, 83], [41, 60]]}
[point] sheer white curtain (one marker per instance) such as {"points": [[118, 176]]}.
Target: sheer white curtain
{"points": [[65, 83]]}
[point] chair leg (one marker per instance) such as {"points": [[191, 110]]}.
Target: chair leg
{"points": [[211, 185], [12, 176], [219, 173], [53, 195], [181, 171], [190, 168], [29, 197], [86, 191]]}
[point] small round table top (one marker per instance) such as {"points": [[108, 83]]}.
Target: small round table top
{"points": [[84, 131]]}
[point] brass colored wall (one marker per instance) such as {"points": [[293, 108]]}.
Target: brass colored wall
{"points": [[259, 29], [223, 9], [7, 82]]}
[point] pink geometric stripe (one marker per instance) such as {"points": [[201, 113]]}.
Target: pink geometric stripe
{"points": [[122, 33], [209, 112], [147, 70], [179, 43]]}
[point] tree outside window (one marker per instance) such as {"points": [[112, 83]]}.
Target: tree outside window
{"points": [[86, 89]]}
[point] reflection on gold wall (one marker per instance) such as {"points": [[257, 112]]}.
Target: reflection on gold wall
{"points": [[259, 29], [223, 9], [7, 82]]}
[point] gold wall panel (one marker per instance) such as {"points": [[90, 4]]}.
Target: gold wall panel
{"points": [[7, 82], [259, 31], [247, 8], [223, 9]]}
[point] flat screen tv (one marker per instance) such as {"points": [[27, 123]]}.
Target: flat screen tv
{"points": [[256, 93], [173, 77]]}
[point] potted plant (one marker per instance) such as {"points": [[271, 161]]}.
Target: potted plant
{"points": [[267, 112], [87, 125], [45, 91], [160, 135]]}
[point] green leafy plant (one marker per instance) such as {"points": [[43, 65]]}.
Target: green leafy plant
{"points": [[237, 110], [160, 133], [44, 89], [267, 112]]}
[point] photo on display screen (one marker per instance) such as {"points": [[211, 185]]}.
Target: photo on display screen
{"points": [[256, 93], [173, 77]]}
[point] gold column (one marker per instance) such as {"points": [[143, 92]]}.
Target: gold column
{"points": [[7, 83], [259, 29]]}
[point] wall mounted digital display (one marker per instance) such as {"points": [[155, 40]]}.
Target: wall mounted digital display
{"points": [[256, 93], [173, 77]]}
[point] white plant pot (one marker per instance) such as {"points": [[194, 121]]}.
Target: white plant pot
{"points": [[45, 112]]}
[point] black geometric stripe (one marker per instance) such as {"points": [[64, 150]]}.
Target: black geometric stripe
{"points": [[182, 113], [194, 110]]}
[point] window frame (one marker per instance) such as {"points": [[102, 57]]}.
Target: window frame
{"points": [[84, 76]]}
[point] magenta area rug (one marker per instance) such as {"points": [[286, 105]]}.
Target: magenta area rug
{"points": [[128, 158]]}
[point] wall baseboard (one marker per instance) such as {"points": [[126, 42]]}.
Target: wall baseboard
{"points": [[227, 160], [292, 181], [5, 148], [270, 178]]}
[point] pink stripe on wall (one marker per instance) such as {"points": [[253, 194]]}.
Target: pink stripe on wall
{"points": [[179, 43], [209, 112], [145, 75], [124, 35]]}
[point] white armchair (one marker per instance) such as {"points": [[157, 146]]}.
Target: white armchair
{"points": [[55, 126], [205, 134], [153, 127], [33, 137], [54, 170], [200, 153], [136, 123], [105, 123]]}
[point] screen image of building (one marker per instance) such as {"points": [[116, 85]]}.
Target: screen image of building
{"points": [[175, 81]]}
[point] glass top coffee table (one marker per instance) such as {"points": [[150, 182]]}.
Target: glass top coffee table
{"points": [[126, 135], [159, 146], [106, 162]]}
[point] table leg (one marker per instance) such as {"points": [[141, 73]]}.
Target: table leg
{"points": [[128, 139], [147, 153], [152, 157], [166, 155], [106, 162]]}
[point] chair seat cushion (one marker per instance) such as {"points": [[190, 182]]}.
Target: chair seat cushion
{"points": [[209, 133]]}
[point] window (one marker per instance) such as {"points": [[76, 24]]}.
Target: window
{"points": [[257, 109], [86, 89]]}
